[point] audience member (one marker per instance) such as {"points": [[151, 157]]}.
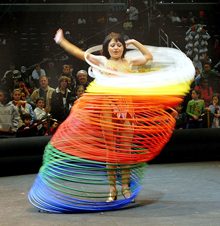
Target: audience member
{"points": [[213, 78], [32, 86], [195, 109], [23, 87], [214, 108], [9, 116], [80, 89], [37, 73], [82, 78], [60, 100], [49, 131], [19, 104], [67, 72], [201, 19], [191, 20], [44, 91], [25, 130], [181, 118], [206, 91], [16, 73], [30, 106], [40, 112], [133, 14]]}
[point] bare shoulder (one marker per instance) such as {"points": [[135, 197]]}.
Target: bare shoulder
{"points": [[97, 60]]}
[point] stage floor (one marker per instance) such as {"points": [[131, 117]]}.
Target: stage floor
{"points": [[173, 195]]}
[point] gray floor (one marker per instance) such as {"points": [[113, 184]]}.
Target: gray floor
{"points": [[173, 194]]}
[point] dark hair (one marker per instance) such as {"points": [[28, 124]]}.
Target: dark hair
{"points": [[26, 116], [39, 98], [116, 37], [203, 79], [216, 95], [198, 92]]}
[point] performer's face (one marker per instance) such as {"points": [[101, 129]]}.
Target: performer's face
{"points": [[115, 49]]}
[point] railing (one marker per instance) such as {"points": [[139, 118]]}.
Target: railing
{"points": [[174, 45], [163, 36]]}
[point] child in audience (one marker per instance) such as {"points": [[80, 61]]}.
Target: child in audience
{"points": [[25, 130], [40, 111], [80, 89], [195, 109], [9, 116], [20, 105], [181, 118], [215, 110]]}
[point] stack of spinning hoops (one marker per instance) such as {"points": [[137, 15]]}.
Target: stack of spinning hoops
{"points": [[74, 176]]}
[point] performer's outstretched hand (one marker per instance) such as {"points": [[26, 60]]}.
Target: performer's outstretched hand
{"points": [[59, 36]]}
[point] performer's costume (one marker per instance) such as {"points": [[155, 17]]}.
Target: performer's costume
{"points": [[74, 175]]}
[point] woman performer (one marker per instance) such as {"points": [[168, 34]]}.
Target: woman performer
{"points": [[113, 58]]}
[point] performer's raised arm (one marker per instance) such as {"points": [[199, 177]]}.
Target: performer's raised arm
{"points": [[138, 60], [74, 50]]}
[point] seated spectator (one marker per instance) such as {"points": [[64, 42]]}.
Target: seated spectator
{"points": [[51, 131], [16, 73], [214, 108], [82, 78], [67, 72], [30, 106], [197, 77], [191, 20], [133, 13], [23, 87], [195, 109], [201, 18], [32, 87], [212, 76], [25, 130], [9, 116], [181, 118], [60, 100], [44, 91], [80, 89], [37, 73], [40, 113], [175, 18], [206, 91], [19, 104]]}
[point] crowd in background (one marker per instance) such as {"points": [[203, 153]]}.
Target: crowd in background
{"points": [[27, 102], [34, 101]]}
